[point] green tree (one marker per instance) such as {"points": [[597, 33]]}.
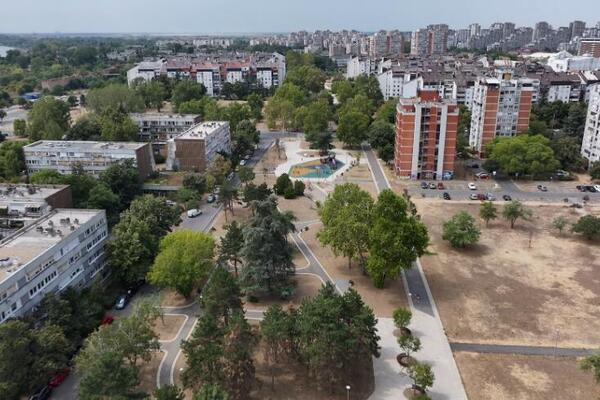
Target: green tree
{"points": [[211, 392], [168, 392], [402, 317], [282, 183], [187, 90], [102, 198], [230, 248], [307, 77], [221, 297], [254, 192], [49, 119], [461, 230], [227, 195], [346, 216], [183, 262], [588, 226], [382, 137], [235, 114], [514, 210], [352, 129], [219, 168], [267, 253], [86, 128], [123, 179], [299, 188], [238, 367], [115, 125], [195, 182], [592, 364], [246, 175], [409, 344], [387, 111], [204, 352], [315, 119], [255, 102], [523, 155], [153, 93], [115, 97], [396, 238], [244, 138], [20, 127], [560, 223], [422, 375], [568, 152], [46, 177], [279, 113], [15, 358], [273, 331], [12, 160], [488, 212]]}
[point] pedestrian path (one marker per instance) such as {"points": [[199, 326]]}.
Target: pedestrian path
{"points": [[425, 324]]}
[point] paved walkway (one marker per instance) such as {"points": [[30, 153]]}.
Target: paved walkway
{"points": [[547, 351], [425, 324]]}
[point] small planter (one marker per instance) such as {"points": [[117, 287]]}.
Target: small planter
{"points": [[405, 360], [402, 332], [415, 392]]}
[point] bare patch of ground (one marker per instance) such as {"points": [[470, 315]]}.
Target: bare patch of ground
{"points": [[148, 372], [304, 209], [240, 214], [306, 286], [382, 301], [514, 377], [528, 285], [170, 298], [167, 326], [270, 160]]}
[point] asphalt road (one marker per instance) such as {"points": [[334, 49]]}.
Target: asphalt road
{"points": [[547, 351], [12, 113]]}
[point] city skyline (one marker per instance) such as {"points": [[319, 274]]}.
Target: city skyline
{"points": [[231, 16]]}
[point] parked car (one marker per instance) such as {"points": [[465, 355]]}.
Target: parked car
{"points": [[482, 175], [121, 302], [490, 197], [193, 213], [440, 186], [597, 187], [432, 185], [446, 196], [474, 165], [424, 185], [473, 196], [42, 393], [590, 188], [506, 198], [59, 377], [242, 163], [562, 174], [230, 176], [542, 188], [210, 198], [481, 197], [133, 289], [581, 188], [107, 320], [472, 186], [247, 157]]}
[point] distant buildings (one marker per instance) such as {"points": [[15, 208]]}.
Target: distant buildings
{"points": [[269, 70], [92, 157], [425, 137], [430, 41], [501, 107], [194, 149], [590, 46], [590, 147], [64, 248]]}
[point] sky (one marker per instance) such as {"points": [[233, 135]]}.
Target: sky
{"points": [[250, 16]]}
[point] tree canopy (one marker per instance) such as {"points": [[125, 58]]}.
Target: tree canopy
{"points": [[523, 155], [461, 230]]}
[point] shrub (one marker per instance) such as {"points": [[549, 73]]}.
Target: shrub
{"points": [[299, 188], [283, 182], [289, 193]]}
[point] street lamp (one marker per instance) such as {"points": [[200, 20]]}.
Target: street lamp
{"points": [[347, 392]]}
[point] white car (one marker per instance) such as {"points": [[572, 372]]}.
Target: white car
{"points": [[472, 186], [193, 213], [242, 163], [597, 187]]}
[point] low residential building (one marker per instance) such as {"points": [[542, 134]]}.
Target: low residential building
{"points": [[590, 146], [501, 107], [194, 149], [425, 143], [565, 62], [92, 157], [159, 127], [22, 204], [62, 249]]}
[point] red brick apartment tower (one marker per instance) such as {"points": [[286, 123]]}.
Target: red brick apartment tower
{"points": [[425, 137]]}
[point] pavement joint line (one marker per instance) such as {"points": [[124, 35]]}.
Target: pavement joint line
{"points": [[179, 330]]}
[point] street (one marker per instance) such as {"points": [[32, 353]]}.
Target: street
{"points": [[12, 113]]}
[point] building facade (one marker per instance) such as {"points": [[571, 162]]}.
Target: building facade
{"points": [[590, 147], [501, 108], [93, 157], [65, 248], [425, 143], [194, 149]]}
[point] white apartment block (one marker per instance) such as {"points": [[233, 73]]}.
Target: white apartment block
{"points": [[360, 66], [162, 126], [210, 76], [399, 84], [590, 147], [146, 71], [197, 147], [63, 249], [94, 157], [565, 62]]}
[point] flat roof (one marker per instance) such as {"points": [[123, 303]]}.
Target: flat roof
{"points": [[202, 130], [27, 193], [18, 249], [82, 145], [155, 114]]}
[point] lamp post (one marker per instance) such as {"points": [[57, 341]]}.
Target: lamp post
{"points": [[347, 392]]}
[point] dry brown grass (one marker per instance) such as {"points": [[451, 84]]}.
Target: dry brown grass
{"points": [[306, 286], [513, 377], [167, 326], [148, 372], [503, 290]]}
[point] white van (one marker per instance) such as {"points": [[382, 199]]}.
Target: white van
{"points": [[194, 212]]}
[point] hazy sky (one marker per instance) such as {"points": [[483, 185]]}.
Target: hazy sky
{"points": [[221, 16]]}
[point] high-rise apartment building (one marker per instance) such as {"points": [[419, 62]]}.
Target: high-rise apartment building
{"points": [[541, 30], [501, 108], [430, 41], [590, 147], [576, 29], [590, 46], [425, 137]]}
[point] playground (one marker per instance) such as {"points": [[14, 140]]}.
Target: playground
{"points": [[323, 167]]}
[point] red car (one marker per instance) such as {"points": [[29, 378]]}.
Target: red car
{"points": [[440, 186], [59, 377], [107, 320]]}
